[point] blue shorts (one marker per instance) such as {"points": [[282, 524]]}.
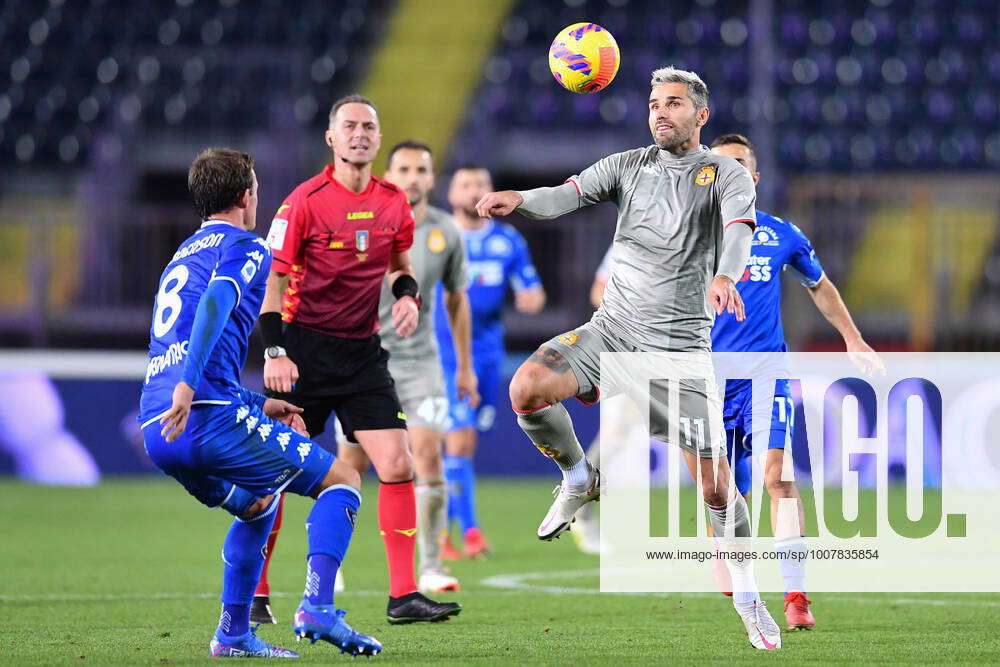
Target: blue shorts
{"points": [[736, 415], [230, 455], [460, 413]]}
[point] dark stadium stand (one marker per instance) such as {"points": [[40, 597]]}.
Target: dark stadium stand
{"points": [[167, 64], [858, 85]]}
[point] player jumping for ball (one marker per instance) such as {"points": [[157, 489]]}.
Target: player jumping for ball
{"points": [[685, 219], [231, 447]]}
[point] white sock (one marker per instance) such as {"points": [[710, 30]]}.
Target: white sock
{"points": [[792, 563], [432, 520], [735, 540], [578, 474]]}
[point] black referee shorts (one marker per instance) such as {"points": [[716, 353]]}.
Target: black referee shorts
{"points": [[348, 376]]}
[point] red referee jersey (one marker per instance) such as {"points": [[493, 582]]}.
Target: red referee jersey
{"points": [[336, 245]]}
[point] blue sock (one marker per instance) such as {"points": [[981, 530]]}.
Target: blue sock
{"points": [[243, 560], [330, 525], [462, 490], [453, 477]]}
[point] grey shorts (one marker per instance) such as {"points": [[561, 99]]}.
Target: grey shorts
{"points": [[699, 413], [420, 386]]}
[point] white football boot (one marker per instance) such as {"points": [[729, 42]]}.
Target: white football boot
{"points": [[437, 582], [763, 632], [569, 498]]}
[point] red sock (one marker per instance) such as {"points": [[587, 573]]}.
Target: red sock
{"points": [[263, 586], [397, 521]]}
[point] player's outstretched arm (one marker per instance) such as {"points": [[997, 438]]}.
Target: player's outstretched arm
{"points": [[828, 301], [549, 203], [498, 203]]}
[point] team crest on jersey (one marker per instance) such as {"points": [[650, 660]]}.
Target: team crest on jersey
{"points": [[569, 338], [705, 175], [498, 245], [436, 242], [248, 271], [361, 239], [765, 235]]}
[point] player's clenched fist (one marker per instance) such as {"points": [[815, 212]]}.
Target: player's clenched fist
{"points": [[280, 374], [723, 296], [498, 203], [405, 315]]}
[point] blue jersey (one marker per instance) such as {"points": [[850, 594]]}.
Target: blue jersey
{"points": [[498, 258], [217, 251], [777, 245]]}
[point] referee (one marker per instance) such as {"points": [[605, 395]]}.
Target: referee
{"points": [[333, 240]]}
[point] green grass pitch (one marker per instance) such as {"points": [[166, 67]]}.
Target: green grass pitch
{"points": [[129, 573]]}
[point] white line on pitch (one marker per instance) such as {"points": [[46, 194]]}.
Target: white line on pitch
{"points": [[521, 582]]}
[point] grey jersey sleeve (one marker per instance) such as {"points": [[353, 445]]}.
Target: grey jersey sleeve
{"points": [[736, 240], [737, 194], [598, 182], [548, 203], [456, 270]]}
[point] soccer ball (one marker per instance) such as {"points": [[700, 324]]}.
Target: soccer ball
{"points": [[584, 58]]}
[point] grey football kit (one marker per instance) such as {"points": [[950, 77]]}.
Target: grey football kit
{"points": [[672, 212], [437, 255]]}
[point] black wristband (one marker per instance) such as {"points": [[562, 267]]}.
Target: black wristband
{"points": [[270, 329], [405, 285]]}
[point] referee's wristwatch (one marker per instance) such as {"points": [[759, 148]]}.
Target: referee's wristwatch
{"points": [[274, 352]]}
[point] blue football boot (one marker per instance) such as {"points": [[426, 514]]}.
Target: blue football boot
{"points": [[246, 646], [326, 622]]}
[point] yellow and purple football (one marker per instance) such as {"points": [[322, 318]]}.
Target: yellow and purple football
{"points": [[584, 58]]}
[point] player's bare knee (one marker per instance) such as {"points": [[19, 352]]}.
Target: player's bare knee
{"points": [[777, 488], [427, 463], [395, 467], [526, 387], [714, 497], [339, 473], [715, 486]]}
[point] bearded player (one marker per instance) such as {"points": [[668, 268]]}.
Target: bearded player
{"points": [[334, 239], [438, 256], [685, 218]]}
